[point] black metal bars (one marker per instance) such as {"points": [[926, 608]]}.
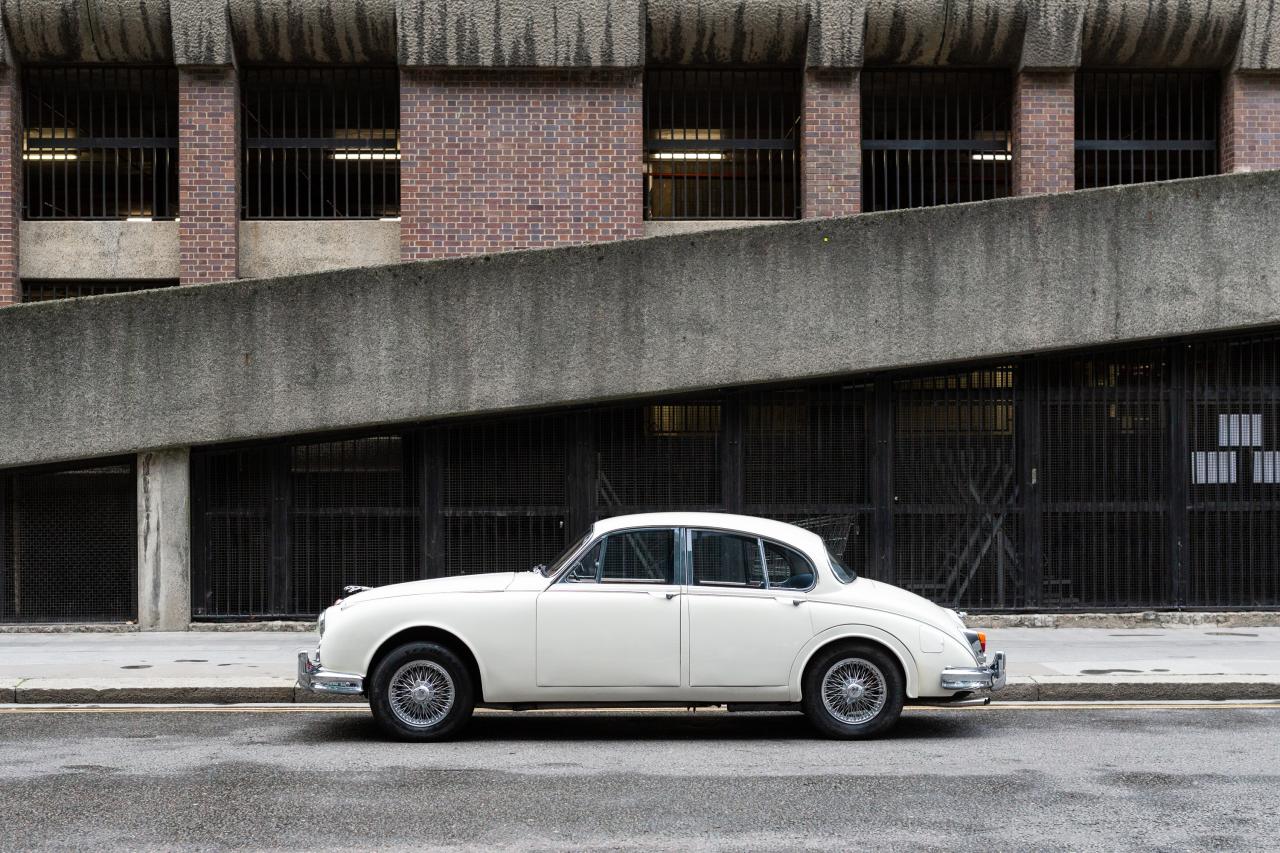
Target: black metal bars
{"points": [[934, 137], [44, 290], [320, 143], [1135, 126], [99, 142], [721, 143]]}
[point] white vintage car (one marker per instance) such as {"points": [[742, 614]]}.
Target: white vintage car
{"points": [[678, 608]]}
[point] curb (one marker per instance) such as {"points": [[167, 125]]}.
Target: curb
{"points": [[1022, 689]]}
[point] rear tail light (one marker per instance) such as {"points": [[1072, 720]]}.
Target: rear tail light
{"points": [[982, 640]]}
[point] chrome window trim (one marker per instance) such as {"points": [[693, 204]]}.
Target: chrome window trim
{"points": [[591, 543], [764, 565]]}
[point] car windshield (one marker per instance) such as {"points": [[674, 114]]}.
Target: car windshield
{"points": [[558, 563], [844, 574]]}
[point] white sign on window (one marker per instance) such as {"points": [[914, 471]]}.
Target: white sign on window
{"points": [[1266, 466], [1210, 467], [1239, 430]]}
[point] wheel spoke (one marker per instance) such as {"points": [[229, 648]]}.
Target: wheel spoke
{"points": [[854, 691], [421, 694]]}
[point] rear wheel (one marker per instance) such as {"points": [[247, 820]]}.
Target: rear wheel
{"points": [[421, 692], [853, 690]]}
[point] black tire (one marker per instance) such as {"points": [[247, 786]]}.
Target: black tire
{"points": [[430, 658], [867, 659]]}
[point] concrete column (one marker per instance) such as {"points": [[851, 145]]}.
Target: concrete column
{"points": [[1250, 122], [1044, 132], [10, 183], [209, 174], [831, 144], [164, 540]]}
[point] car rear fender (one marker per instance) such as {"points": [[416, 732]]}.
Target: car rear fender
{"points": [[855, 631]]}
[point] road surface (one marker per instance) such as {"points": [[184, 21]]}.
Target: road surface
{"points": [[1073, 778]]}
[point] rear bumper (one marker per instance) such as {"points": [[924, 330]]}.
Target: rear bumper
{"points": [[990, 676], [317, 679]]}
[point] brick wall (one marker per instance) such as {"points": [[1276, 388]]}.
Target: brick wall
{"points": [[1043, 133], [1250, 123], [493, 161], [10, 184], [208, 177], [831, 145]]}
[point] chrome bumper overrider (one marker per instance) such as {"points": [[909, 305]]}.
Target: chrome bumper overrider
{"points": [[313, 677], [988, 677]]}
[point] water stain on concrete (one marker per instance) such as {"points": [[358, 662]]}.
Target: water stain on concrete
{"points": [[1107, 671], [137, 666]]}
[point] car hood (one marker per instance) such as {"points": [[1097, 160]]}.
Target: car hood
{"points": [[495, 582]]}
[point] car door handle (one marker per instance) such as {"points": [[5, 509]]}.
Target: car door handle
{"points": [[781, 600], [667, 595]]}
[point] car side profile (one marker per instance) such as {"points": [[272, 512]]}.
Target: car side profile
{"points": [[676, 609]]}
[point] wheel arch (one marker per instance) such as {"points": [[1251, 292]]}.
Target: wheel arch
{"points": [[430, 634], [857, 633]]}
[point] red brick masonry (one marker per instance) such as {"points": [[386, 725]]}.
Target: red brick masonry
{"points": [[1250, 123], [831, 156], [10, 183], [1044, 133], [208, 177], [494, 161]]}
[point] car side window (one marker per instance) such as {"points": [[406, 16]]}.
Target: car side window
{"points": [[628, 556], [788, 569], [726, 559]]}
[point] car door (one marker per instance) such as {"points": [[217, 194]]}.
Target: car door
{"points": [[613, 618], [748, 617]]}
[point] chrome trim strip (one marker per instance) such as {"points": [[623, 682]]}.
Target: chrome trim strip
{"points": [[317, 679]]}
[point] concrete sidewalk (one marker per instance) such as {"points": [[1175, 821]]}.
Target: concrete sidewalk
{"points": [[1049, 664]]}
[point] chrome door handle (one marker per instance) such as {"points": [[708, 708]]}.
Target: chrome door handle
{"points": [[795, 601], [667, 595]]}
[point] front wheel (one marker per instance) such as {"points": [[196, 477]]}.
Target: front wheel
{"points": [[421, 692], [853, 691]]}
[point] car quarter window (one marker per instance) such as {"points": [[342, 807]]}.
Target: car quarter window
{"points": [[628, 556], [788, 568], [726, 559]]}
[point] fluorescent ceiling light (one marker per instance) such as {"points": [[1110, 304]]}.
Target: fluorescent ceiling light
{"points": [[27, 155], [1000, 157], [687, 155], [366, 155]]}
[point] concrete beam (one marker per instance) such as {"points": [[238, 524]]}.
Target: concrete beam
{"points": [[55, 248], [356, 348], [283, 247], [164, 540]]}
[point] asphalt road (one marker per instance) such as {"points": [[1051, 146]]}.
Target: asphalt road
{"points": [[972, 779]]}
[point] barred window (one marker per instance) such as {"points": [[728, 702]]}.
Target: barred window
{"points": [[99, 142], [1141, 126], [935, 137], [320, 143], [721, 143], [45, 289]]}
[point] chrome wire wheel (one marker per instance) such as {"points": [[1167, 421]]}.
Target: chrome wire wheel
{"points": [[854, 691], [421, 694]]}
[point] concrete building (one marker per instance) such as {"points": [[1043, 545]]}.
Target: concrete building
{"points": [[972, 379]]}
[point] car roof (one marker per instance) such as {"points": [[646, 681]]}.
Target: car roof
{"points": [[787, 534]]}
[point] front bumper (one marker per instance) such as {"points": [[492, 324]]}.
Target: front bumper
{"points": [[990, 676], [317, 679]]}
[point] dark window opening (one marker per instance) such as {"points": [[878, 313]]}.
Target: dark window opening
{"points": [[320, 143], [721, 144], [44, 290], [68, 544], [935, 137], [1133, 126], [99, 142]]}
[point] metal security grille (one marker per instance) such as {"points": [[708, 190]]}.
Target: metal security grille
{"points": [[503, 494], [1104, 439], [283, 528], [99, 142], [68, 544], [721, 143], [806, 461], [44, 290], [934, 137], [957, 509], [355, 518], [659, 456], [1233, 464], [1134, 126], [320, 143]]}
